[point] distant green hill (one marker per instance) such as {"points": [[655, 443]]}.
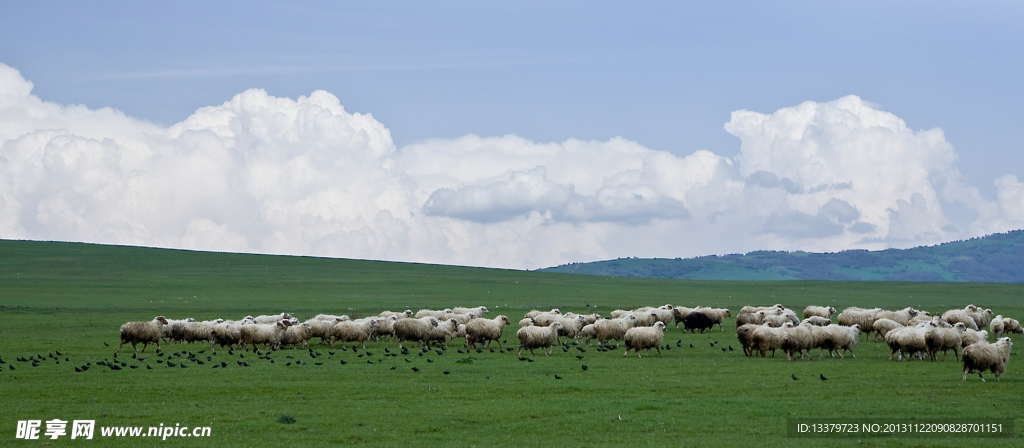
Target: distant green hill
{"points": [[994, 258]]}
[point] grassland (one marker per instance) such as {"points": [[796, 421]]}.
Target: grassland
{"points": [[73, 297]]}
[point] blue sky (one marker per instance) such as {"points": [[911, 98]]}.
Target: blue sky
{"points": [[664, 76]]}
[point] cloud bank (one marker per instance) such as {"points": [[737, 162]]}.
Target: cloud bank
{"points": [[306, 177]]}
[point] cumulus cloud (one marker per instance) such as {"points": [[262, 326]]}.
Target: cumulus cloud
{"points": [[304, 176]]}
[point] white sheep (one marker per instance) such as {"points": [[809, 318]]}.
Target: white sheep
{"points": [[538, 337], [414, 330], [974, 336], [443, 331], [228, 333], [618, 313], [741, 319], [386, 326], [766, 337], [571, 325], [322, 326], [644, 338], [819, 311], [544, 319], [664, 313], [982, 317], [984, 356], [902, 316], [534, 313], [194, 331], [270, 319], [587, 333], [406, 313], [996, 326], [527, 322], [459, 317], [840, 338], [920, 318], [267, 334], [717, 315], [907, 340], [775, 321], [774, 309], [797, 339], [945, 339], [745, 334], [884, 326], [817, 321], [432, 313], [860, 316], [354, 330], [478, 311], [144, 332], [607, 329], [165, 332], [481, 330], [295, 335], [954, 316], [1011, 326]]}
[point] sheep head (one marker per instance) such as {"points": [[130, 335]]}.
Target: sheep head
{"points": [[161, 319]]}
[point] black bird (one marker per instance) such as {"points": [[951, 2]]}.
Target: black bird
{"points": [[529, 360], [430, 360], [479, 350], [407, 360], [183, 366], [319, 363], [579, 357], [133, 356], [369, 362], [149, 367], [393, 367], [712, 344], [171, 364], [822, 376], [691, 345], [557, 377], [332, 353], [216, 366], [134, 367], [446, 372], [343, 362], [723, 349], [223, 364], [85, 367], [730, 348], [237, 362], [414, 369], [794, 377], [58, 353], [77, 369], [11, 366], [585, 367], [460, 350], [106, 344]]}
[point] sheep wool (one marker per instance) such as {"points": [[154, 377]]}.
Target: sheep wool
{"points": [[983, 356], [644, 338], [538, 337], [819, 311], [144, 332]]}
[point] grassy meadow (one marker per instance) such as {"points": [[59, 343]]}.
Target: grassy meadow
{"points": [[72, 298]]}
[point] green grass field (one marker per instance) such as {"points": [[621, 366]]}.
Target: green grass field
{"points": [[72, 298]]}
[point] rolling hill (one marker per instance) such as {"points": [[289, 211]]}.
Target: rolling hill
{"points": [[993, 258]]}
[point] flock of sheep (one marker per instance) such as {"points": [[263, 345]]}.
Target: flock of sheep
{"points": [[759, 329], [907, 332]]}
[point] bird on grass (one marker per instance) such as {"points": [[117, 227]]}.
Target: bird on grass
{"points": [[730, 348], [794, 377], [446, 372], [149, 367], [557, 377], [343, 362], [822, 376], [106, 344], [393, 367], [415, 369], [579, 357], [585, 367], [691, 345]]}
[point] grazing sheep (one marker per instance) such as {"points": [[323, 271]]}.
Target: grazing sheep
{"points": [[902, 316], [544, 319], [774, 309], [354, 330], [860, 316], [884, 326], [193, 331], [765, 338], [717, 315], [984, 356], [481, 330], [591, 318], [587, 333], [974, 336], [644, 338], [618, 314], [797, 339], [538, 337], [270, 319], [478, 311], [679, 314], [920, 318], [996, 326], [331, 317], [819, 311], [745, 334], [1011, 326], [460, 318], [527, 322], [982, 317], [297, 334], [414, 330], [386, 327], [267, 334], [608, 329], [697, 320], [144, 332], [432, 313], [534, 313], [165, 332], [907, 340], [645, 318], [571, 325], [817, 321], [406, 313], [840, 338], [945, 339]]}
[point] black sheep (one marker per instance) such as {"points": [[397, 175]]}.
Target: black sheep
{"points": [[697, 321]]}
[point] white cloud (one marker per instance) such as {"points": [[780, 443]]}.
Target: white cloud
{"points": [[276, 175]]}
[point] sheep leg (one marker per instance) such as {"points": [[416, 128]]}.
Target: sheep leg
{"points": [[659, 352], [625, 352], [122, 345]]}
